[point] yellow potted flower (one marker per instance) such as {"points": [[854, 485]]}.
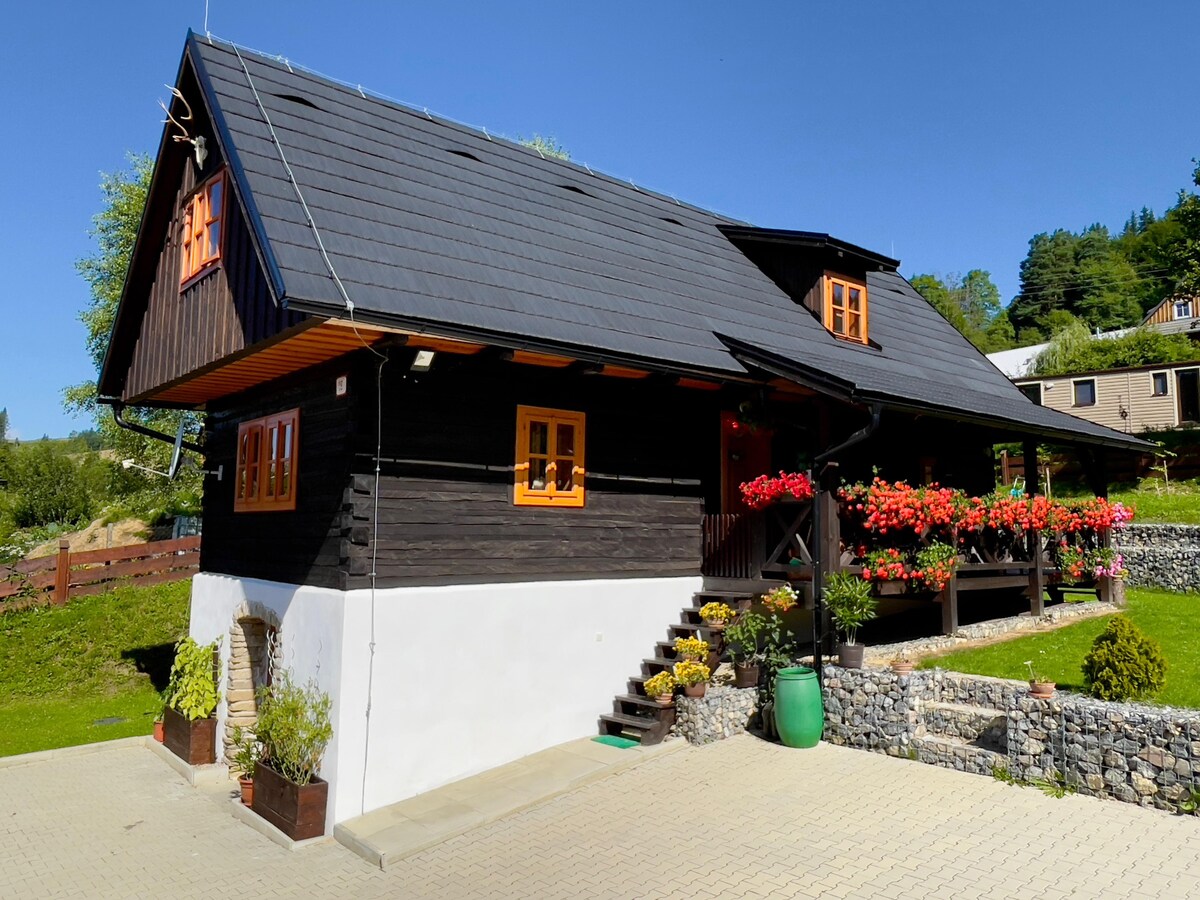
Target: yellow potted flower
{"points": [[691, 648], [693, 676], [661, 688], [717, 615]]}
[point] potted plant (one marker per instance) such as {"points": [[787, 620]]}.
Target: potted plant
{"points": [[661, 688], [691, 648], [850, 602], [901, 664], [1040, 688], [693, 676], [246, 751], [744, 639], [158, 716], [294, 730], [189, 729], [717, 615]]}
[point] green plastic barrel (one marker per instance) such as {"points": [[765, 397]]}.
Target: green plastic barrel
{"points": [[799, 713]]}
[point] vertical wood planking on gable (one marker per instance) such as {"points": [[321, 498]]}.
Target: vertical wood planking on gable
{"points": [[222, 313]]}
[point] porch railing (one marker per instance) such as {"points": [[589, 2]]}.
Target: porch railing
{"points": [[753, 545]]}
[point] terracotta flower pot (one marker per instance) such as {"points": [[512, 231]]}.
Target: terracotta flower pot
{"points": [[903, 668], [695, 690], [665, 699], [1041, 690], [246, 783], [715, 626], [158, 731]]}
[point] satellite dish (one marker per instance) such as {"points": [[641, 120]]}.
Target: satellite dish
{"points": [[177, 455]]}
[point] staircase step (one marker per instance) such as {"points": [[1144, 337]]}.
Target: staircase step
{"points": [[955, 753], [641, 702], [655, 664], [986, 727], [693, 629], [643, 730]]}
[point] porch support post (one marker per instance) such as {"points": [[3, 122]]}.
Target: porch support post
{"points": [[1095, 468], [1033, 540], [950, 606], [1032, 475], [827, 554]]}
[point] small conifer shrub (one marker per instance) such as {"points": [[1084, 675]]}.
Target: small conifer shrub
{"points": [[1124, 664]]}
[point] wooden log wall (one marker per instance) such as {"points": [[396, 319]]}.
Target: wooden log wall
{"points": [[445, 505], [300, 547]]}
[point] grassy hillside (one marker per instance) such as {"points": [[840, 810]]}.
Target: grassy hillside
{"points": [[63, 669]]}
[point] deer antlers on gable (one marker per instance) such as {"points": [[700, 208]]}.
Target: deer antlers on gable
{"points": [[198, 141]]}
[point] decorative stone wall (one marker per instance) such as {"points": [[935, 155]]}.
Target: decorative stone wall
{"points": [[254, 653], [1166, 556], [722, 712], [1132, 752]]}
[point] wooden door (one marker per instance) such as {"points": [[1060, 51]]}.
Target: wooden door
{"points": [[745, 454]]}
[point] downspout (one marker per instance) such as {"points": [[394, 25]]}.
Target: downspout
{"points": [[118, 411], [820, 467]]}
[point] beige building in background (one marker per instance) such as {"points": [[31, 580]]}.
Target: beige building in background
{"points": [[1134, 400]]}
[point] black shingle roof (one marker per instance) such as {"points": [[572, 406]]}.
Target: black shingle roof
{"points": [[429, 222]]}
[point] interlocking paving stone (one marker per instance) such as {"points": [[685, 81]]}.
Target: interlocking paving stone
{"points": [[741, 818]]}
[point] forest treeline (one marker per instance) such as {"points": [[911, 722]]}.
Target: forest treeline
{"points": [[1103, 280]]}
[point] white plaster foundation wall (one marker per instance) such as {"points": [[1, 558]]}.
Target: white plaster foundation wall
{"points": [[310, 633], [470, 677], [465, 678]]}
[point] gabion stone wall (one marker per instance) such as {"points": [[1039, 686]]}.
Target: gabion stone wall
{"points": [[1166, 556], [1137, 753], [722, 712]]}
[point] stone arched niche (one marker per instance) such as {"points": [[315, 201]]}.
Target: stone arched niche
{"points": [[254, 654]]}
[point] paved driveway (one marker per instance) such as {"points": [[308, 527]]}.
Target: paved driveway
{"points": [[738, 819]]}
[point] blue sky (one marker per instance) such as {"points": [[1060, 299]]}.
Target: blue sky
{"points": [[945, 133]]}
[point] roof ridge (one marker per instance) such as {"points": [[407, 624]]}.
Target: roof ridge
{"points": [[581, 168]]}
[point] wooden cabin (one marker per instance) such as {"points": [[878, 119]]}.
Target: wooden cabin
{"points": [[480, 416]]}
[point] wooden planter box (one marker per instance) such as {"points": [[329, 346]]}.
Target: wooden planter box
{"points": [[193, 742], [297, 811]]}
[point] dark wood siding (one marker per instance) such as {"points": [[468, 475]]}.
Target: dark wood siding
{"points": [[446, 514], [301, 547], [223, 312], [445, 507]]}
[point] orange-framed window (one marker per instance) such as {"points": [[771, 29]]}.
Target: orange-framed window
{"points": [[266, 470], [549, 467], [846, 308], [201, 239]]}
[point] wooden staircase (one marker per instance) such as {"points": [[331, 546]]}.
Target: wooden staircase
{"points": [[636, 716]]}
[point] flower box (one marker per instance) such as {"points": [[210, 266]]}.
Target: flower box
{"points": [[195, 742], [296, 810]]}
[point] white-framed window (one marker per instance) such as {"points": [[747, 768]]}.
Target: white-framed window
{"points": [[1183, 309], [1083, 392], [1160, 384]]}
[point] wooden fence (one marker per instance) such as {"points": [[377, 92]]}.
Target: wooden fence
{"points": [[58, 578]]}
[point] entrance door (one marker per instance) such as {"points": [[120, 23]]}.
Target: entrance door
{"points": [[1188, 384], [745, 454]]}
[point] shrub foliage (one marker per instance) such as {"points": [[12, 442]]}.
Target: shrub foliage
{"points": [[1124, 664]]}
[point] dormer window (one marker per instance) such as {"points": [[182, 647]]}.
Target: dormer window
{"points": [[201, 239], [1183, 309], [846, 308]]}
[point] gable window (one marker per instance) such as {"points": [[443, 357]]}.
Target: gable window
{"points": [[846, 308], [1183, 309], [549, 467], [265, 476], [201, 238], [1085, 392], [1159, 384]]}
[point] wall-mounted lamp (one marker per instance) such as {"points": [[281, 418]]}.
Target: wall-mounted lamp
{"points": [[422, 361]]}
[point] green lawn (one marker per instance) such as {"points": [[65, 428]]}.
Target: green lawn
{"points": [[1166, 617], [64, 668]]}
